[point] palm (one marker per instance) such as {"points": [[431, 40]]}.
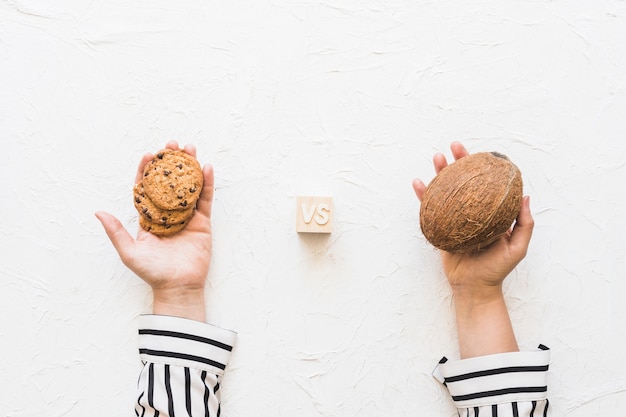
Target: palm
{"points": [[191, 250], [487, 268]]}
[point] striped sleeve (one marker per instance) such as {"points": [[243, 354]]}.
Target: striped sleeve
{"points": [[184, 361], [507, 384]]}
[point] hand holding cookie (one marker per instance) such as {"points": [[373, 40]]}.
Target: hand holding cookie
{"points": [[175, 265]]}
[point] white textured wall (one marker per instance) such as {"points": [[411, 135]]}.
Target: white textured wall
{"points": [[348, 98]]}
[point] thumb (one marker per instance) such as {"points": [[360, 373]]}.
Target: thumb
{"points": [[120, 238]]}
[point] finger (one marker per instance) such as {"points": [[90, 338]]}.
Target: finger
{"points": [[523, 229], [120, 238], [458, 150], [206, 196], [190, 149], [146, 158], [172, 144], [419, 188], [440, 162]]}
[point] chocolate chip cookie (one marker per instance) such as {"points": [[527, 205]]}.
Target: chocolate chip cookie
{"points": [[166, 197], [173, 180], [161, 229], [154, 214]]}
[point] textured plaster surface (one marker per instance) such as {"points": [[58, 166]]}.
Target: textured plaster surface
{"points": [[345, 98]]}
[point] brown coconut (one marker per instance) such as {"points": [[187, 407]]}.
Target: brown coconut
{"points": [[471, 202]]}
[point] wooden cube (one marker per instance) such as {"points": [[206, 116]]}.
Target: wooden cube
{"points": [[314, 214]]}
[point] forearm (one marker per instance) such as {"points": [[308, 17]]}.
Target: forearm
{"points": [[483, 323], [493, 377]]}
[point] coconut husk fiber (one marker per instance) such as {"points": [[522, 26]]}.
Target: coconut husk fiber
{"points": [[471, 202]]}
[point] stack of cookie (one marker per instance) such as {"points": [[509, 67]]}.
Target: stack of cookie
{"points": [[167, 195]]}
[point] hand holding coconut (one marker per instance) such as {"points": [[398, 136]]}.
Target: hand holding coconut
{"points": [[476, 277]]}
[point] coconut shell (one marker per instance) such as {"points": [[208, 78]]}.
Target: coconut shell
{"points": [[471, 202]]}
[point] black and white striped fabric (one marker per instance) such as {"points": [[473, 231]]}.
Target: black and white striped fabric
{"points": [[184, 361], [503, 385]]}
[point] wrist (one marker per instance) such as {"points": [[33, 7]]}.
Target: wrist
{"points": [[180, 302], [477, 295]]}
